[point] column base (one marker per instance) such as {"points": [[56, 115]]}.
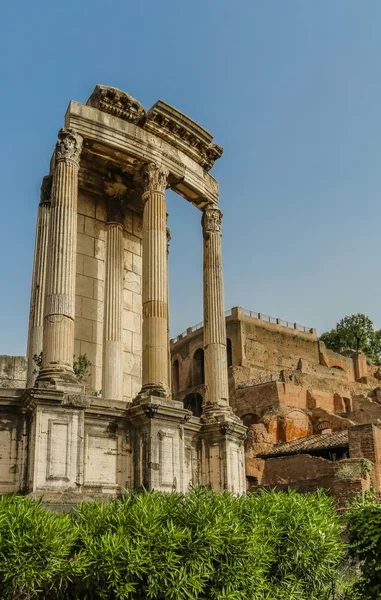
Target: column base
{"points": [[157, 428], [57, 378], [223, 457], [152, 390]]}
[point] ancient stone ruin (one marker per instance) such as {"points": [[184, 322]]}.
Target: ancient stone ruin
{"points": [[100, 289], [104, 401]]}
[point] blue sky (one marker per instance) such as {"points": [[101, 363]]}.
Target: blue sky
{"points": [[290, 88]]}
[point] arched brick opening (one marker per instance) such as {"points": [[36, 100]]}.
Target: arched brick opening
{"points": [[229, 352], [176, 376], [198, 367]]}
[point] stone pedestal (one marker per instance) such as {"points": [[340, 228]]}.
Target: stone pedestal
{"points": [[112, 386], [58, 338], [56, 448], [36, 316], [157, 427], [223, 455], [155, 284]]}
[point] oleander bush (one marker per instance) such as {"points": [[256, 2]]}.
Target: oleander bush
{"points": [[363, 520], [151, 545]]}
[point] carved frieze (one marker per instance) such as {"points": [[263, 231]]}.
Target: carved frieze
{"points": [[68, 147], [173, 126], [117, 103]]}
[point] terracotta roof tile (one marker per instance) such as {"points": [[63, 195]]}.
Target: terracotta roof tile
{"points": [[337, 439]]}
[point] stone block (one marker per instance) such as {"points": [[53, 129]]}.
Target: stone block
{"points": [[127, 300], [137, 223], [100, 211], [86, 206], [93, 267], [137, 264], [137, 344], [83, 329], [95, 229], [127, 340], [100, 249], [136, 303], [127, 386], [78, 306], [80, 223], [97, 332], [84, 286], [131, 321], [136, 385], [127, 260], [79, 264], [98, 290], [85, 244], [132, 282], [128, 222], [132, 243], [92, 309]]}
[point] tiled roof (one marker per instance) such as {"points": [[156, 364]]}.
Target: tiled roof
{"points": [[338, 439]]}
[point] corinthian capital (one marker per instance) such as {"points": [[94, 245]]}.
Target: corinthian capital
{"points": [[155, 178], [211, 219], [69, 146]]}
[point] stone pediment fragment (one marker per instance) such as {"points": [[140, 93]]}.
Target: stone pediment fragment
{"points": [[117, 103], [174, 127]]}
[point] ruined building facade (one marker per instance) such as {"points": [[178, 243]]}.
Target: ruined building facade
{"points": [[312, 415], [100, 288]]}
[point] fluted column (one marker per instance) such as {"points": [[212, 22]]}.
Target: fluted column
{"points": [[155, 283], [37, 297], [168, 313], [58, 338], [112, 386], [216, 370]]}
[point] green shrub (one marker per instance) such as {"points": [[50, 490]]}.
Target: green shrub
{"points": [[35, 549], [151, 545], [364, 530]]}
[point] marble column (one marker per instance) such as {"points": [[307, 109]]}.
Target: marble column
{"points": [[112, 386], [216, 369], [155, 283], [58, 337], [36, 315]]}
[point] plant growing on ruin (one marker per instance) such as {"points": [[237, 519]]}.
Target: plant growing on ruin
{"points": [[37, 359], [355, 333], [82, 367]]}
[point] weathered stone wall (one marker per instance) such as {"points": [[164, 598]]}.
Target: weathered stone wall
{"points": [[13, 371], [90, 282]]}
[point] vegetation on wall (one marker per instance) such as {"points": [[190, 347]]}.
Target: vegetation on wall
{"points": [[355, 333], [81, 366], [151, 545]]}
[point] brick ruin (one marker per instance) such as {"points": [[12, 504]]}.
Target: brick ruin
{"points": [[312, 415]]}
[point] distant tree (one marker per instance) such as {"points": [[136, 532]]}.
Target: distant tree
{"points": [[355, 333]]}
